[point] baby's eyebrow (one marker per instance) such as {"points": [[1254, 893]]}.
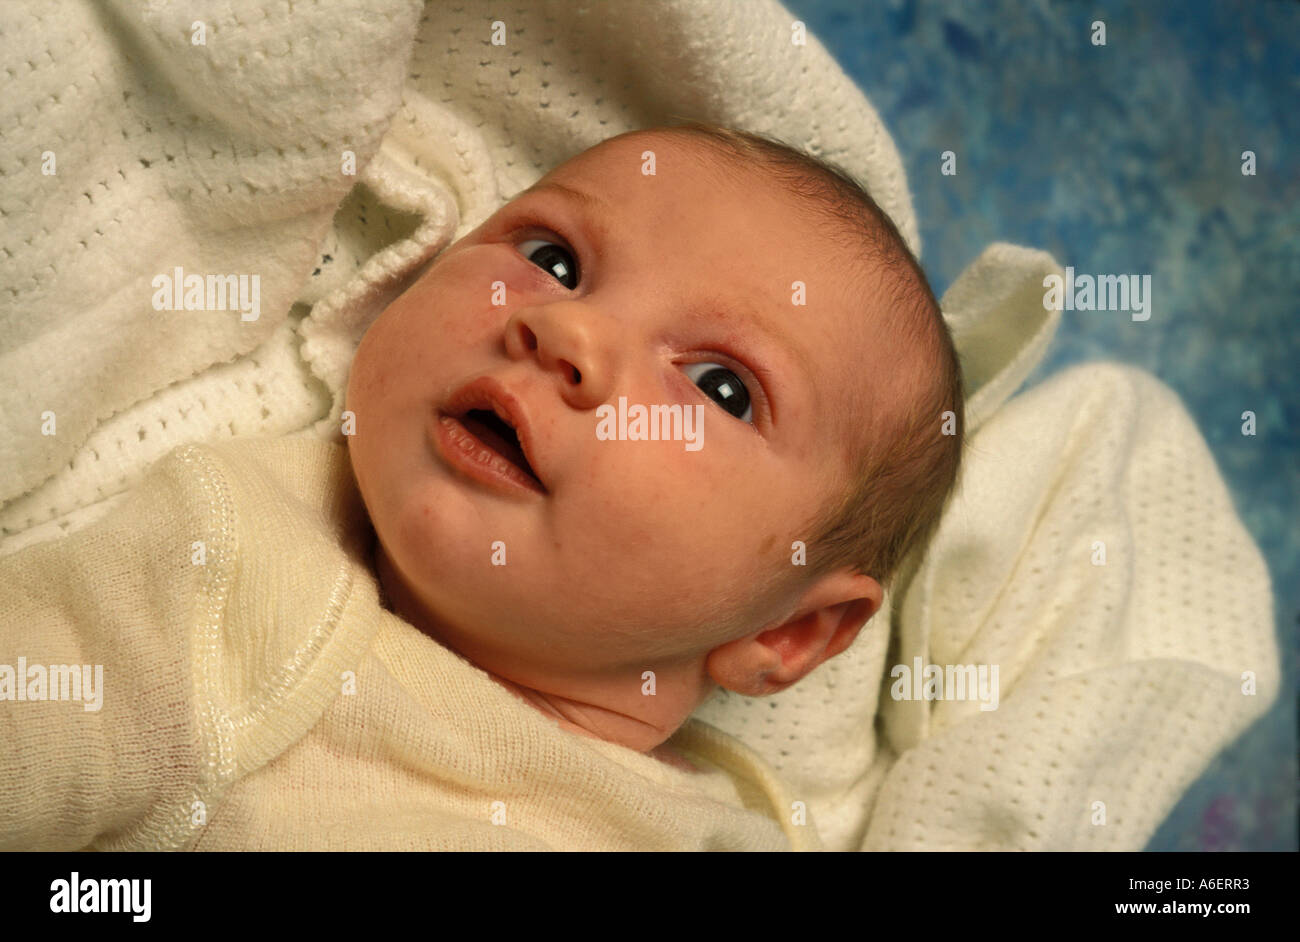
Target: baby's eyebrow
{"points": [[594, 209], [740, 314], [589, 202]]}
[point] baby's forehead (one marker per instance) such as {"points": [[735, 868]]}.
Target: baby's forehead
{"points": [[691, 188], [670, 157], [672, 139]]}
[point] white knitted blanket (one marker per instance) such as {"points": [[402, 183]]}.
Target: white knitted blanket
{"points": [[221, 138]]}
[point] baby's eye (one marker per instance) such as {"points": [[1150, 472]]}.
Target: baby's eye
{"points": [[723, 386], [552, 258]]}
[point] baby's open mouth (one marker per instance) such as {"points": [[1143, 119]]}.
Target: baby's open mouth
{"points": [[484, 430], [498, 435]]}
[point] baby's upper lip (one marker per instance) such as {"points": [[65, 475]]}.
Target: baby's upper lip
{"points": [[487, 392]]}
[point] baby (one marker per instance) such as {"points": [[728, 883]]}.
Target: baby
{"points": [[689, 266], [306, 646]]}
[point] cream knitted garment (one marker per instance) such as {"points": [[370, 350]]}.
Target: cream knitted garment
{"points": [[256, 696]]}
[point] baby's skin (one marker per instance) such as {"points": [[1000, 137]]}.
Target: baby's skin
{"points": [[615, 558]]}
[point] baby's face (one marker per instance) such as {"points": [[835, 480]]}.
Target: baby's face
{"points": [[672, 289]]}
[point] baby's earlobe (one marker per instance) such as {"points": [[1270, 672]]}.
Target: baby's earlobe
{"points": [[743, 666]]}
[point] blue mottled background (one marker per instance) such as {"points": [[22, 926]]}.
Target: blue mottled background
{"points": [[1127, 158]]}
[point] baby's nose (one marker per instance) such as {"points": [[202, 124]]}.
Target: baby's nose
{"points": [[565, 340]]}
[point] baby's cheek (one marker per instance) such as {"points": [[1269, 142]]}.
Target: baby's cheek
{"points": [[365, 384], [410, 528]]}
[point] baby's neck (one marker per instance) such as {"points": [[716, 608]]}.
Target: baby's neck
{"points": [[562, 709], [595, 714]]}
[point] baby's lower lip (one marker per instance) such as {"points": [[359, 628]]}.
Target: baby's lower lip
{"points": [[470, 457]]}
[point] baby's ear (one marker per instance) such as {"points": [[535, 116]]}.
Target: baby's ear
{"points": [[829, 619]]}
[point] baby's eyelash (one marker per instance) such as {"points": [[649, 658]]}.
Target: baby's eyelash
{"points": [[531, 226], [753, 376]]}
